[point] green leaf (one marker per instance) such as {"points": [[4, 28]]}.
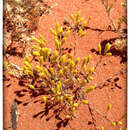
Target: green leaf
{"points": [[66, 19]]}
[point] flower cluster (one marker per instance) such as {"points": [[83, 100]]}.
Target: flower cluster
{"points": [[60, 73]]}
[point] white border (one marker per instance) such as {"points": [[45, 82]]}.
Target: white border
{"points": [[1, 64]]}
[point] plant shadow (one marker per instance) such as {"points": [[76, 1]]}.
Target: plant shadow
{"points": [[56, 114], [113, 50], [49, 111]]}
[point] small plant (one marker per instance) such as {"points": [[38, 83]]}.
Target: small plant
{"points": [[106, 50], [77, 25], [121, 43], [59, 73], [108, 10], [109, 107], [102, 128], [62, 76]]}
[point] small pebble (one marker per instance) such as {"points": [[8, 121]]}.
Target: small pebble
{"points": [[105, 63]]}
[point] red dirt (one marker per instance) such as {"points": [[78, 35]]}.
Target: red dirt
{"points": [[99, 98]]}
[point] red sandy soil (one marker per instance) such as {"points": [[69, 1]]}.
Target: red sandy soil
{"points": [[99, 98]]}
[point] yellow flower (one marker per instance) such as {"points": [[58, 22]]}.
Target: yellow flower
{"points": [[63, 40], [77, 60], [81, 19], [57, 26], [59, 66], [83, 33], [107, 47], [91, 70], [99, 48], [42, 74], [72, 65], [61, 99], [62, 59], [53, 82], [89, 89], [52, 71], [71, 44], [85, 60], [42, 38], [60, 30], [70, 98], [59, 83], [67, 33], [53, 32], [53, 90], [76, 104], [55, 55], [66, 95], [11, 73], [27, 58], [102, 128], [65, 69], [113, 123], [108, 54], [36, 40], [58, 44], [120, 123], [44, 99], [31, 86], [72, 17], [79, 80], [5, 65], [80, 31], [28, 65], [73, 109], [11, 65], [41, 60], [85, 101], [109, 106], [58, 93], [89, 57], [67, 28], [60, 72], [78, 15], [36, 53], [71, 56], [58, 87], [39, 69], [90, 77], [21, 69], [69, 61], [83, 24], [84, 68], [84, 82], [68, 117], [75, 71], [46, 72]]}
